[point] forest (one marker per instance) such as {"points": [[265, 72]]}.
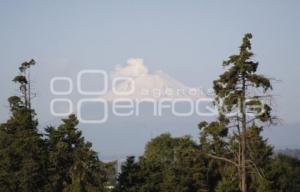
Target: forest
{"points": [[231, 155]]}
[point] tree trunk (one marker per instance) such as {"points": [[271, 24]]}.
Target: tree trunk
{"points": [[243, 140], [243, 163]]}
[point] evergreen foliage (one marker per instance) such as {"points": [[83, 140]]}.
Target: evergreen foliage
{"points": [[231, 156]]}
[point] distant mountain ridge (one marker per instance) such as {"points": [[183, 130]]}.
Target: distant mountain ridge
{"points": [[138, 83], [290, 152]]}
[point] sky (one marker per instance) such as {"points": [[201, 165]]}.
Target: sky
{"points": [[188, 40]]}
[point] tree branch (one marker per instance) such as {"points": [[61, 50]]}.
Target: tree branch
{"points": [[223, 158]]}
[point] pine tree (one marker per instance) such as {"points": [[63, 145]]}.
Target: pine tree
{"points": [[22, 150], [73, 165], [242, 99], [129, 180]]}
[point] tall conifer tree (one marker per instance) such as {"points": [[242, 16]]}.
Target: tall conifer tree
{"points": [[241, 96], [22, 150]]}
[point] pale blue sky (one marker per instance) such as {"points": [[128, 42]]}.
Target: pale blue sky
{"points": [[186, 39]]}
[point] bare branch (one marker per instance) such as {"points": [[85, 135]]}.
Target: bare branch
{"points": [[260, 173], [223, 158]]}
